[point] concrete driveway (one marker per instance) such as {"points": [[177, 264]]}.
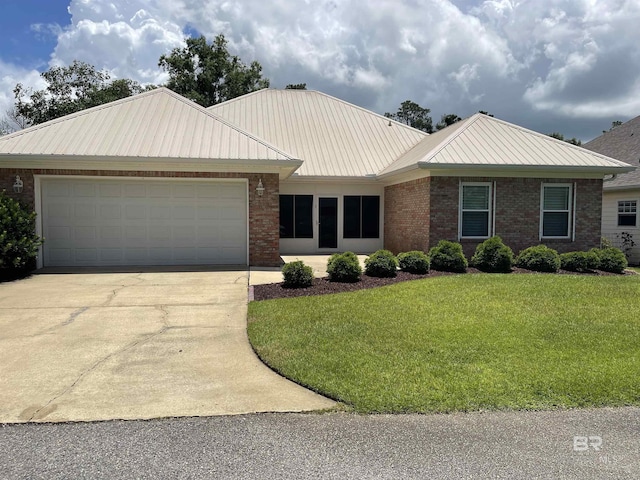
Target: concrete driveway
{"points": [[98, 346]]}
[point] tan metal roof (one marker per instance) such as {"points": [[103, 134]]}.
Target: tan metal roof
{"points": [[332, 137], [621, 143], [481, 141], [155, 124]]}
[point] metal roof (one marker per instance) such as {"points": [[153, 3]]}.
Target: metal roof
{"points": [[481, 141], [154, 124], [621, 143], [331, 136]]}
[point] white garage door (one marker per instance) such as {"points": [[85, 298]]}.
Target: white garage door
{"points": [[89, 222]]}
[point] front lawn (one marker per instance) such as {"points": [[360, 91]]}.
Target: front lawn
{"points": [[466, 342]]}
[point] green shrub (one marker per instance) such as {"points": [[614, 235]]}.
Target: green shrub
{"points": [[579, 261], [297, 275], [539, 259], [448, 256], [414, 262], [382, 263], [344, 267], [18, 240], [493, 255], [610, 259]]}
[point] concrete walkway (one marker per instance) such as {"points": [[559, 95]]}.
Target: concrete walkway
{"points": [[116, 345]]}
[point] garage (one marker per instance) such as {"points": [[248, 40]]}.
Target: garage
{"points": [[116, 221]]}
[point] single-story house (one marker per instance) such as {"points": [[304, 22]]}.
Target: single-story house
{"points": [[621, 193], [157, 179]]}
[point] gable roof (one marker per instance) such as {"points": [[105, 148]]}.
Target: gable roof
{"points": [[333, 137], [484, 142], [158, 124], [623, 143]]}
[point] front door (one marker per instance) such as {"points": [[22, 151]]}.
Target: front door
{"points": [[328, 226]]}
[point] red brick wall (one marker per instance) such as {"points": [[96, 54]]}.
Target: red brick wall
{"points": [[517, 212], [406, 216], [263, 211]]}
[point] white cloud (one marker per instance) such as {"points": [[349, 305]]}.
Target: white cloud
{"points": [[12, 75], [125, 38], [547, 64]]}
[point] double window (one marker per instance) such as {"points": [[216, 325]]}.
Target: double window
{"points": [[627, 213], [556, 210], [476, 209], [361, 216], [296, 216]]}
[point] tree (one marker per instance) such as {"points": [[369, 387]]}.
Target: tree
{"points": [[446, 120], [208, 74], [614, 124], [484, 112], [296, 86], [559, 136], [412, 114], [69, 89], [12, 121]]}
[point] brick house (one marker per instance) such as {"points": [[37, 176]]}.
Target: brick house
{"points": [[158, 180]]}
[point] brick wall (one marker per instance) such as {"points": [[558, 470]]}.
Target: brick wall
{"points": [[406, 216], [517, 214], [263, 211]]}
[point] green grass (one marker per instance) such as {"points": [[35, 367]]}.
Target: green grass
{"points": [[460, 343]]}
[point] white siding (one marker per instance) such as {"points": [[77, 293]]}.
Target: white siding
{"points": [[610, 228], [295, 246]]}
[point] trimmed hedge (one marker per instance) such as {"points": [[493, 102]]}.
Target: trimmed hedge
{"points": [[344, 267], [493, 255], [297, 275], [539, 259], [579, 261], [414, 261], [381, 263], [611, 259], [448, 256]]}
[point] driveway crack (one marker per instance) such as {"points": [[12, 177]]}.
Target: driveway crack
{"points": [[129, 346]]}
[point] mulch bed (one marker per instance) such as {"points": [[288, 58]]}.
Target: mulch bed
{"points": [[322, 286]]}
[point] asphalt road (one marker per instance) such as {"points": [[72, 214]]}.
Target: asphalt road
{"points": [[601, 443]]}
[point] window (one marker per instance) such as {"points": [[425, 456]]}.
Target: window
{"points": [[556, 210], [475, 210], [361, 216], [627, 213], [296, 213]]}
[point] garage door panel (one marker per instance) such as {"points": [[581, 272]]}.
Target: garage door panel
{"points": [[113, 190], [119, 222], [84, 190]]}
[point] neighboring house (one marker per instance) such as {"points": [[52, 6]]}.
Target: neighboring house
{"points": [[621, 194], [157, 179]]}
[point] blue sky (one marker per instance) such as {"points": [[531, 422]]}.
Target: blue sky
{"points": [[23, 44], [570, 66]]}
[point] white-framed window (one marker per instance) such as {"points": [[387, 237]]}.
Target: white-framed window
{"points": [[556, 210], [627, 213], [476, 210]]}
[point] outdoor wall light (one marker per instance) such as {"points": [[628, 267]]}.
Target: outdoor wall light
{"points": [[260, 188], [18, 185]]}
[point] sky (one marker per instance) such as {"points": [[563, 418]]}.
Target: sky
{"points": [[567, 66]]}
